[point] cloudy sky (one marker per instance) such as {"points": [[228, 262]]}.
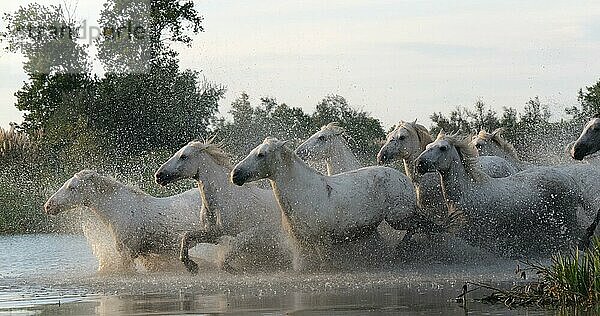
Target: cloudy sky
{"points": [[395, 59]]}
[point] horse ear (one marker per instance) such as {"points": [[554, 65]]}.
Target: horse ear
{"points": [[415, 121], [212, 139], [498, 131], [441, 134], [283, 143]]}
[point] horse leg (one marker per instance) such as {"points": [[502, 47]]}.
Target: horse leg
{"points": [[244, 248], [188, 240], [589, 232]]}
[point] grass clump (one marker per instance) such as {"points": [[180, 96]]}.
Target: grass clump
{"points": [[571, 279]]}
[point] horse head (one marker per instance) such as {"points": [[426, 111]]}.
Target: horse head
{"points": [[321, 145], [262, 162], [406, 141], [189, 161], [589, 140], [74, 192]]}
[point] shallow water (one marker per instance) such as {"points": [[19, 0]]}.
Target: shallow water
{"points": [[55, 275]]}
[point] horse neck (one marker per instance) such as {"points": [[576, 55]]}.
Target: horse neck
{"points": [[455, 182], [409, 165], [214, 185], [342, 159], [111, 207], [291, 179]]}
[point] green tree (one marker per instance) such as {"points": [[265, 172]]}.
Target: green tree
{"points": [[251, 124], [138, 113], [509, 117], [589, 103], [482, 118], [457, 121], [535, 113], [46, 37], [138, 34], [364, 131]]}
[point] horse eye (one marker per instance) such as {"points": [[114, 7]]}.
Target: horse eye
{"points": [[443, 148], [183, 157], [322, 138], [478, 145], [71, 188], [401, 137], [260, 155]]}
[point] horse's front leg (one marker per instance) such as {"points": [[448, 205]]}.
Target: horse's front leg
{"points": [[190, 239], [585, 242]]}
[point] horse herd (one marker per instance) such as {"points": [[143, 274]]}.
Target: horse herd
{"points": [[475, 189]]}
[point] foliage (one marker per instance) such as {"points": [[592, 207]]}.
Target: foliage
{"points": [[363, 131], [46, 38], [137, 113], [138, 33], [535, 113], [570, 280], [17, 156], [114, 123], [465, 120], [589, 103], [252, 124]]}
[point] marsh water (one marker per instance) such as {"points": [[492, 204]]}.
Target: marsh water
{"points": [[56, 275]]}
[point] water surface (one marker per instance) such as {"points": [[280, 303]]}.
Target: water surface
{"points": [[56, 275]]}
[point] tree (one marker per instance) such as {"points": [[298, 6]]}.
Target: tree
{"points": [[458, 121], [482, 118], [252, 124], [137, 113], [535, 113], [589, 103], [509, 117], [137, 34], [47, 39], [364, 131], [57, 66]]}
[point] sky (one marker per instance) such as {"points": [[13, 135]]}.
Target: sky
{"points": [[398, 60]]}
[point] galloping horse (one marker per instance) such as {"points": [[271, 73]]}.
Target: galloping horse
{"points": [[326, 213], [248, 214]]}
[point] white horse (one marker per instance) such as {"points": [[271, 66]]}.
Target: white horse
{"points": [[329, 144], [534, 211], [141, 225], [589, 141], [324, 214], [493, 144], [407, 141], [586, 174], [249, 214]]}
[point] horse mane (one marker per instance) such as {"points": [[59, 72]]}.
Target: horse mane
{"points": [[419, 130], [215, 150], [468, 155], [106, 183], [496, 137]]}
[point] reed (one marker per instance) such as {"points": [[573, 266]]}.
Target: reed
{"points": [[571, 279]]}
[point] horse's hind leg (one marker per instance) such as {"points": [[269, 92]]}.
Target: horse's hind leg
{"points": [[188, 240]]}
